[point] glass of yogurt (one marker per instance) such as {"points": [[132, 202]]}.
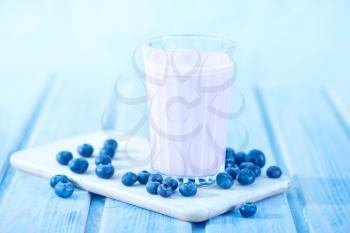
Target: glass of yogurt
{"points": [[188, 79]]}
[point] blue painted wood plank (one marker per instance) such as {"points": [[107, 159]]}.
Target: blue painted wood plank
{"points": [[35, 207], [95, 213], [336, 219], [338, 98], [75, 105], [247, 132], [315, 149], [270, 217], [124, 218], [18, 105]]}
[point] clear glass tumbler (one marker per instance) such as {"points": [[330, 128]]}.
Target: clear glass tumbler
{"points": [[188, 79]]}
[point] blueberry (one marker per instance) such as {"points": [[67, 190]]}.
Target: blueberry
{"points": [[152, 187], [247, 209], [85, 150], [230, 152], [164, 190], [104, 171], [240, 157], [109, 151], [246, 176], [171, 182], [224, 180], [229, 164], [79, 165], [63, 157], [201, 180], [103, 159], [232, 171], [57, 178], [274, 172], [246, 165], [230, 155], [156, 177], [256, 170], [129, 178], [191, 180], [257, 157], [64, 189], [229, 160], [188, 189], [143, 176], [111, 143], [251, 166]]}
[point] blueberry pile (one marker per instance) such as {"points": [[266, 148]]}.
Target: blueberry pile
{"points": [[62, 185], [104, 168], [157, 185], [245, 168]]}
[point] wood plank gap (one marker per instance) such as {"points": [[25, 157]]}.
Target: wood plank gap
{"points": [[198, 227], [93, 221]]}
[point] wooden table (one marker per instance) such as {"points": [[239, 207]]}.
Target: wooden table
{"points": [[304, 129]]}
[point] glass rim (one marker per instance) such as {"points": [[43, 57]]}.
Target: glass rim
{"points": [[230, 44]]}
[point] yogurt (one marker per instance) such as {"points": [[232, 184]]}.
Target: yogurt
{"points": [[188, 97]]}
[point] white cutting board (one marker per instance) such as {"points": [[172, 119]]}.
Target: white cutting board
{"points": [[133, 155]]}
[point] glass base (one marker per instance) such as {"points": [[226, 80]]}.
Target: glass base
{"points": [[200, 181]]}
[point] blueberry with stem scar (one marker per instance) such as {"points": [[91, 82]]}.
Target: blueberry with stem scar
{"points": [[143, 176], [64, 189]]}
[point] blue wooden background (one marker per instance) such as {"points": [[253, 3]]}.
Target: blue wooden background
{"points": [[59, 61], [279, 40]]}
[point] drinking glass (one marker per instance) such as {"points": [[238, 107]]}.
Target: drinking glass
{"points": [[188, 79]]}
